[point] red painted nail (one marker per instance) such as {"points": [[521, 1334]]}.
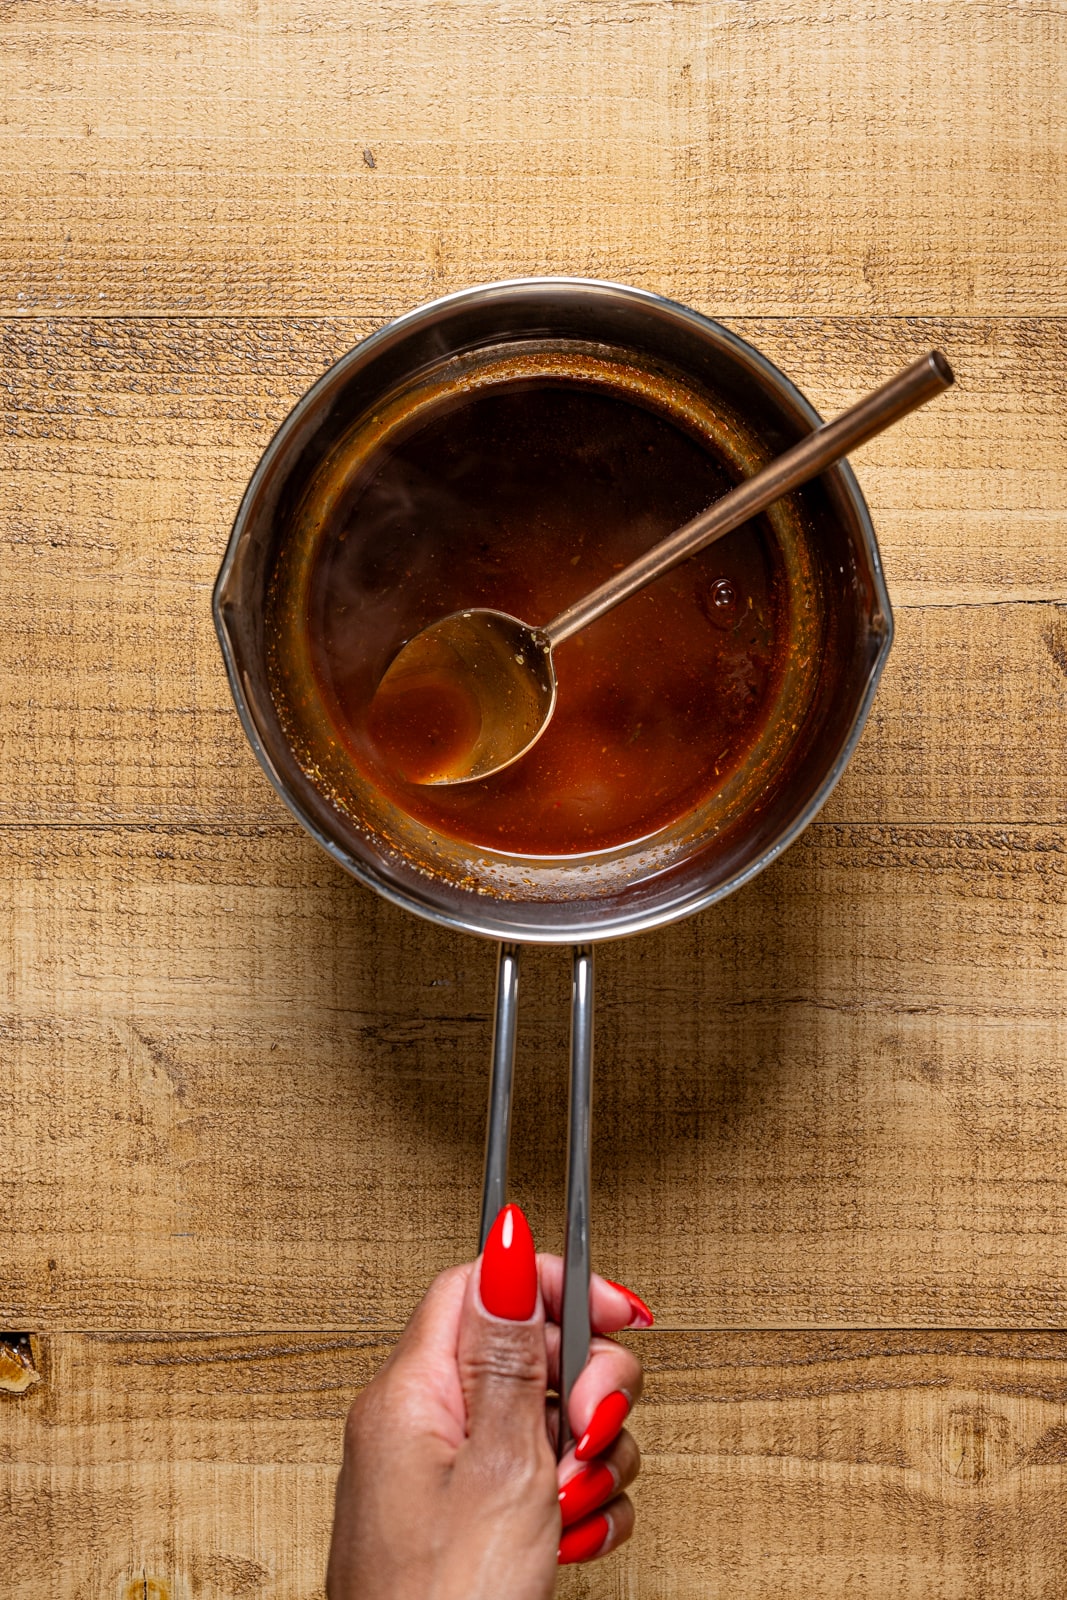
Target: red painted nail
{"points": [[509, 1268], [585, 1491], [585, 1541], [642, 1316], [604, 1424]]}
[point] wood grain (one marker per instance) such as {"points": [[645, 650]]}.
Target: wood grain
{"points": [[813, 1465], [739, 157], [127, 446], [970, 721], [250, 1093], [242, 1094]]}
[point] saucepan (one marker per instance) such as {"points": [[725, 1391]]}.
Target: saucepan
{"points": [[672, 360]]}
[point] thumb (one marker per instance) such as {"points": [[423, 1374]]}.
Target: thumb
{"points": [[502, 1363]]}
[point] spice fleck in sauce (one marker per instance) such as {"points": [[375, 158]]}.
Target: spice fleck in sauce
{"points": [[523, 498]]}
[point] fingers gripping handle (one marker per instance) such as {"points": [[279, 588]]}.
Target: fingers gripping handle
{"points": [[575, 1316], [498, 1126]]}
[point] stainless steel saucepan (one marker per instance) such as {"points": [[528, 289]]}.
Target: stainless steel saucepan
{"points": [[843, 629]]}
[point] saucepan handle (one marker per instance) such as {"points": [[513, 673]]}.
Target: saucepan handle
{"points": [[498, 1123], [574, 1319], [575, 1329]]}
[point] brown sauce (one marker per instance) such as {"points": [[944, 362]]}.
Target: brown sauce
{"points": [[523, 498]]}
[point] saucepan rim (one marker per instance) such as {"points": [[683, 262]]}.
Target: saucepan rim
{"points": [[494, 924]]}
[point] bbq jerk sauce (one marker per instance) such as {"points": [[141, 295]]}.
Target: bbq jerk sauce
{"points": [[524, 497]]}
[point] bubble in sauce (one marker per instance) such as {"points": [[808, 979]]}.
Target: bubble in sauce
{"points": [[719, 598]]}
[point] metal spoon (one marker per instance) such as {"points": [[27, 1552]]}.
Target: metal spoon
{"points": [[503, 667]]}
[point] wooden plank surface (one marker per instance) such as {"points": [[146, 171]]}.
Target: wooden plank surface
{"points": [[244, 1100], [262, 1089], [770, 160], [818, 1466], [146, 732], [125, 443], [126, 446]]}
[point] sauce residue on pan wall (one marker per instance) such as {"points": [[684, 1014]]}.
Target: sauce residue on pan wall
{"points": [[524, 497]]}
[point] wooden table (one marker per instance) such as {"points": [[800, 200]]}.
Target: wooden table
{"points": [[243, 1098]]}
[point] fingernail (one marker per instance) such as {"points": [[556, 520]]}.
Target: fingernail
{"points": [[508, 1282], [642, 1316], [604, 1424], [584, 1541], [585, 1491]]}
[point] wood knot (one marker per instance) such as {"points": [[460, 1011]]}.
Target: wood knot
{"points": [[975, 1444], [18, 1369], [1055, 640], [146, 1588]]}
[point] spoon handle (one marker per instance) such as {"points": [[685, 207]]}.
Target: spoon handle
{"points": [[818, 450]]}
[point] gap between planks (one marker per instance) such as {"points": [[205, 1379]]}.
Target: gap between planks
{"points": [[288, 824], [285, 313], [369, 1331]]}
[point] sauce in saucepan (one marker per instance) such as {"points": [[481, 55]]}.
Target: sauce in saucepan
{"points": [[523, 498]]}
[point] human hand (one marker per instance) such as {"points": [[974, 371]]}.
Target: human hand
{"points": [[449, 1489]]}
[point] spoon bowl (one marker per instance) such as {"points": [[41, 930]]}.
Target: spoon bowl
{"points": [[465, 697]]}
